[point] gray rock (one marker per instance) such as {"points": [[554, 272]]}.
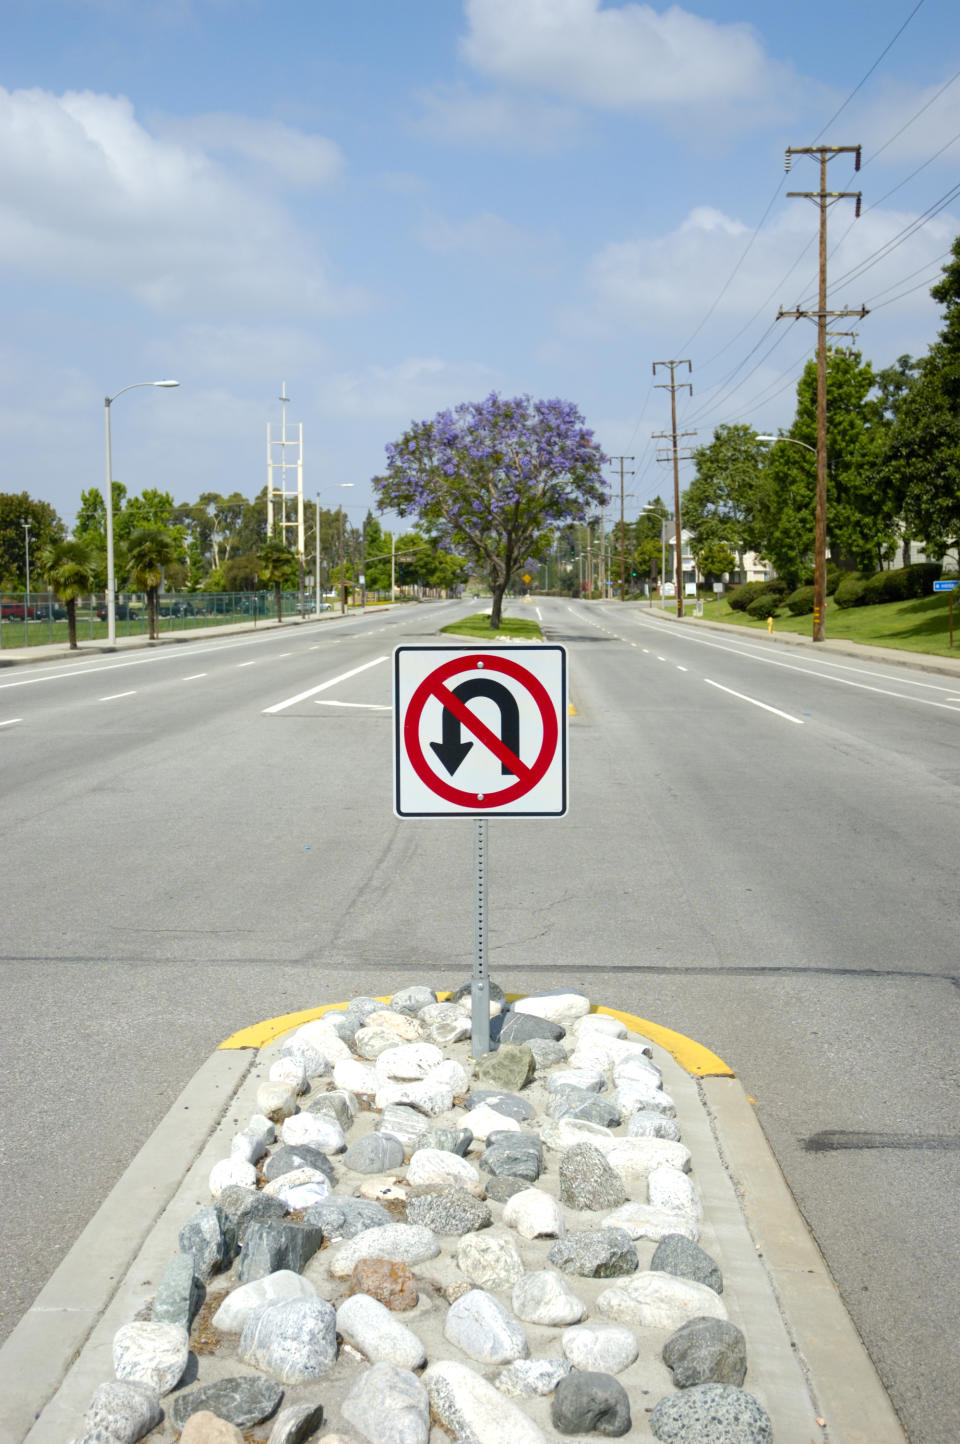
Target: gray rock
{"points": [[504, 1185], [240, 1302], [676, 1254], [591, 1404], [449, 1211], [447, 1030], [411, 1000], [151, 1354], [511, 1105], [359, 1010], [488, 1261], [448, 1140], [510, 1067], [706, 1351], [346, 1217], [544, 1297], [210, 1236], [474, 1411], [314, 1061], [344, 1027], [402, 1242], [388, 1405], [718, 1412], [648, 1123], [478, 1324], [369, 1326], [494, 992], [374, 1153], [532, 1378], [587, 1181], [517, 1155], [123, 1411], [403, 1122], [371, 1042], [523, 1027], [296, 1423], [294, 1340], [180, 1294], [247, 1206], [242, 1401], [595, 1253], [572, 1102], [289, 1158], [268, 1247], [339, 1102], [546, 1053]]}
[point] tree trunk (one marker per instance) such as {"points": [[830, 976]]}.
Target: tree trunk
{"points": [[152, 629], [497, 606], [278, 598], [71, 606]]}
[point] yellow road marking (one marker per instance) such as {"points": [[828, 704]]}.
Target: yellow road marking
{"points": [[572, 710]]}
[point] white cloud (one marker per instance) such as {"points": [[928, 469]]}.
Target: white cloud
{"points": [[928, 121], [89, 196], [628, 57], [486, 235], [411, 390], [277, 151], [498, 121], [260, 354]]}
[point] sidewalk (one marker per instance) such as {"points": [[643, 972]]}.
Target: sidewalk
{"points": [[806, 1366]]}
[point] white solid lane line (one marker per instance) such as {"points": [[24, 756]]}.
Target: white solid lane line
{"points": [[367, 706], [754, 702], [10, 721], [312, 691], [114, 695]]}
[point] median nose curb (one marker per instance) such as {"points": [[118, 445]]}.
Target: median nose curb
{"points": [[806, 1364]]}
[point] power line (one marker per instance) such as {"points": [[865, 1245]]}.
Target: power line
{"points": [[887, 48]]}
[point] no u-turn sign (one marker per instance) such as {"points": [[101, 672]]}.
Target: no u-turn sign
{"points": [[481, 733]]}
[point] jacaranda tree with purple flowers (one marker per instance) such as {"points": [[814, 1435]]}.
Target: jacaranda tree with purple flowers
{"points": [[493, 479]]}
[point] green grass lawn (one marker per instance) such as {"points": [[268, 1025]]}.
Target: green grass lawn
{"points": [[921, 625], [518, 629]]}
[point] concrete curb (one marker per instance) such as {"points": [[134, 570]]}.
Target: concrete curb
{"points": [[813, 1373]]}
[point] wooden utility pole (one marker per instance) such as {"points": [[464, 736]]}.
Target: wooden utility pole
{"points": [[673, 386], [623, 533], [823, 199]]}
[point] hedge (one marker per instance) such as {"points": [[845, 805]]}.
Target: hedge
{"points": [[741, 596], [766, 605], [801, 601]]}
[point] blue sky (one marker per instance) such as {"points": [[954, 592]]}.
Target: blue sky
{"points": [[396, 205]]}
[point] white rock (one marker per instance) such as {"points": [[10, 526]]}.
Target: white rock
{"points": [[489, 1260], [383, 1188], [532, 1378], [671, 1189], [484, 1120], [425, 1095], [318, 1130], [659, 1301], [590, 1078], [321, 1035], [369, 1326], [639, 1220], [408, 1061], [152, 1354], [465, 1007], [289, 1070], [453, 1074], [440, 1013], [355, 1076], [386, 1405], [434, 1167], [277, 1101], [545, 1297], [559, 1134], [240, 1302], [632, 1096], [599, 1023], [407, 1029], [562, 1008], [478, 1324], [402, 1242], [471, 1409], [534, 1214], [315, 1063], [254, 1140], [636, 1068], [230, 1171], [299, 1188], [635, 1158], [600, 1348]]}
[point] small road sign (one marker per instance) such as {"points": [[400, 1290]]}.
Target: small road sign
{"points": [[946, 586], [480, 733]]}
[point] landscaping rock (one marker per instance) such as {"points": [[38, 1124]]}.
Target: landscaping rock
{"points": [[151, 1354], [374, 1153], [489, 1261], [449, 1212], [401, 1242], [293, 1340], [675, 1254], [659, 1301], [718, 1412], [370, 1327], [545, 1297], [123, 1410], [598, 1253], [531, 1378], [472, 1410], [478, 1324], [180, 1294], [346, 1217], [240, 1303], [393, 1284], [388, 1405], [269, 1247], [587, 1181], [600, 1348], [241, 1401], [510, 1067], [591, 1404], [706, 1351]]}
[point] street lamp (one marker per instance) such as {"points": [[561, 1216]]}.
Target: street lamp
{"points": [[26, 541], [819, 547], [108, 500]]}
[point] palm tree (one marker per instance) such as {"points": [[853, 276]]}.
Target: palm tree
{"points": [[67, 567], [277, 565], [147, 552]]}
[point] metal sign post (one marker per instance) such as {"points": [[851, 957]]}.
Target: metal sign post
{"points": [[480, 989], [947, 586]]}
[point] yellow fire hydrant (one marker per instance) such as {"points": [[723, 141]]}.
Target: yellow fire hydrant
{"points": [[769, 624]]}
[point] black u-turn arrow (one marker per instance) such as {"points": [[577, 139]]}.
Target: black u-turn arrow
{"points": [[451, 751]]}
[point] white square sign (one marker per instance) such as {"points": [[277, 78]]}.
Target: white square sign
{"points": [[480, 732]]}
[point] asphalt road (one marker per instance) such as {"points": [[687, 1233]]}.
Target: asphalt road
{"points": [[759, 852]]}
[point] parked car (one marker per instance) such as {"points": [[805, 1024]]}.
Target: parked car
{"points": [[16, 611], [177, 609], [43, 611], [123, 612]]}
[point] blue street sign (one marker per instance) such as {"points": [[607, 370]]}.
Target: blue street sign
{"points": [[946, 586]]}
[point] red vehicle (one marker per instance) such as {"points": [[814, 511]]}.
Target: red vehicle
{"points": [[11, 611]]}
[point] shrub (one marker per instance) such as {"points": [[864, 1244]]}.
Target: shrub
{"points": [[741, 597], [801, 601], [902, 584], [851, 592], [766, 605]]}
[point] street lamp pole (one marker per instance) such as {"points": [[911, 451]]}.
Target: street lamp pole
{"points": [[26, 539], [820, 549], [108, 502]]}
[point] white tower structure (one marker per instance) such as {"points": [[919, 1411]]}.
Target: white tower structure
{"points": [[285, 482]]}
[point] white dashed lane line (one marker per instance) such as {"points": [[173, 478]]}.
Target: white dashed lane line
{"points": [[114, 695], [248, 664], [10, 721], [322, 687], [193, 676], [367, 706], [754, 702]]}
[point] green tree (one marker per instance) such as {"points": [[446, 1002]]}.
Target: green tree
{"points": [[45, 527], [68, 567], [714, 558], [648, 539], [720, 504], [146, 553], [278, 568], [492, 480]]}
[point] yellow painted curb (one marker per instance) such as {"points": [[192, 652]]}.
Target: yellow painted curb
{"points": [[692, 1056]]}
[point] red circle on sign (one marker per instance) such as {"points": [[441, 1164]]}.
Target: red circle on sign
{"points": [[426, 690]]}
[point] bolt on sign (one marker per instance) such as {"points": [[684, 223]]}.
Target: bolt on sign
{"points": [[480, 733]]}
